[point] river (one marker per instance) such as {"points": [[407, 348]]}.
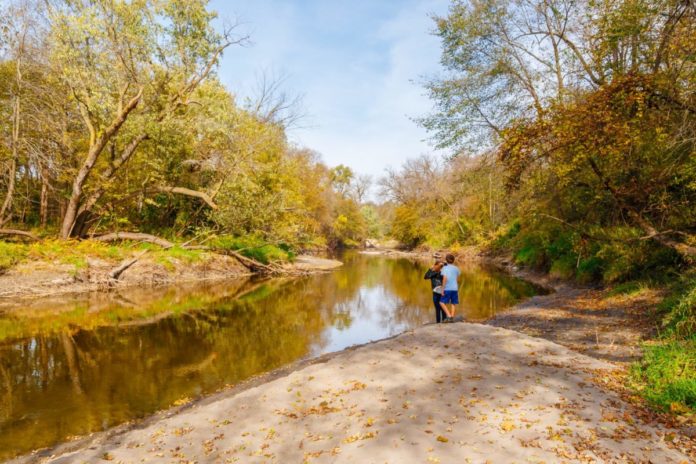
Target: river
{"points": [[74, 365]]}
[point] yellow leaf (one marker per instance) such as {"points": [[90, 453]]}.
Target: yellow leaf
{"points": [[507, 426]]}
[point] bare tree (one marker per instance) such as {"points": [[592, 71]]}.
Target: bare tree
{"points": [[273, 104], [360, 187]]}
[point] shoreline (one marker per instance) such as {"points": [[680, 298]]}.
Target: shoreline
{"points": [[354, 374], [525, 310], [36, 280]]}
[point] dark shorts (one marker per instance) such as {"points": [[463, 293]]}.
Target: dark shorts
{"points": [[450, 297]]}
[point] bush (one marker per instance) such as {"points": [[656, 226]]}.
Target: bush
{"points": [[617, 256], [589, 269], [531, 253], [563, 267]]}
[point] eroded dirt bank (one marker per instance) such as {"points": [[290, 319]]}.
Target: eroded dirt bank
{"points": [[442, 393], [38, 278]]}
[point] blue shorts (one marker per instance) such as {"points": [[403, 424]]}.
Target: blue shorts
{"points": [[450, 297]]}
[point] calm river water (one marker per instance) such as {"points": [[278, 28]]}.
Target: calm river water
{"points": [[73, 366]]}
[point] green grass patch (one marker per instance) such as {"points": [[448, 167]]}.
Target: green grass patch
{"points": [[11, 254], [255, 248], [631, 288], [72, 251], [167, 257], [679, 308], [666, 376]]}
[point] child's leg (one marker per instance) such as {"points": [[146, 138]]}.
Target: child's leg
{"points": [[453, 310], [444, 309]]}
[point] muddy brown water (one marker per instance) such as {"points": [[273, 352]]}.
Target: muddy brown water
{"points": [[72, 366]]}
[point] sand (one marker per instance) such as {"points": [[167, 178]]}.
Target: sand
{"points": [[449, 393]]}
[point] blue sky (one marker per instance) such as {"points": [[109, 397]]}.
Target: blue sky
{"points": [[357, 64]]}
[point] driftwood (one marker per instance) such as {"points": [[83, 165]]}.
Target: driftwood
{"points": [[115, 236], [116, 272], [22, 233]]}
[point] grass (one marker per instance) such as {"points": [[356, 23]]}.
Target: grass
{"points": [[11, 254], [679, 308], [255, 248], [176, 253], [630, 288], [666, 376], [77, 252]]}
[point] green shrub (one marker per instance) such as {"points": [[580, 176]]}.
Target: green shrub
{"points": [[531, 252], [503, 240], [589, 269], [632, 287], [563, 267]]}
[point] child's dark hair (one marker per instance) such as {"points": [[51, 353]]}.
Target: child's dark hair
{"points": [[449, 258]]}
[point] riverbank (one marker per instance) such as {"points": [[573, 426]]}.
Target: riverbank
{"points": [[641, 325], [57, 269], [441, 393], [589, 319]]}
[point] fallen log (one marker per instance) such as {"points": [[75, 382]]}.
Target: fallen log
{"points": [[22, 233], [137, 236]]}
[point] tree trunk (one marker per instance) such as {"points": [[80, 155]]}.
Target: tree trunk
{"points": [[72, 362], [7, 204], [106, 176], [93, 153], [43, 203]]}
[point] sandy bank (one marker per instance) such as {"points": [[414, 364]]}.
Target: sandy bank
{"points": [[442, 393]]}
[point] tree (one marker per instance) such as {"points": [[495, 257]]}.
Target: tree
{"points": [[130, 67], [587, 105]]}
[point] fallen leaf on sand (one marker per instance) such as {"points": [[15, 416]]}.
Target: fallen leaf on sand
{"points": [[507, 425]]}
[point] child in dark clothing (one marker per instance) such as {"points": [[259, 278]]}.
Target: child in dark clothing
{"points": [[435, 277]]}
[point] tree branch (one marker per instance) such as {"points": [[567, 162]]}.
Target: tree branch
{"points": [[188, 192]]}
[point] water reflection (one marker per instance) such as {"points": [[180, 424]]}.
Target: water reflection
{"points": [[82, 365]]}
